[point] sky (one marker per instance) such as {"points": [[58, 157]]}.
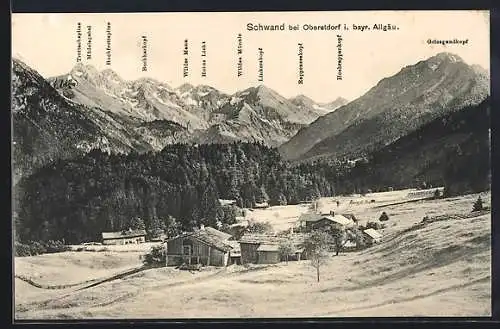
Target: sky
{"points": [[48, 43]]}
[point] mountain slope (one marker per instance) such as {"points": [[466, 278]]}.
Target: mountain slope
{"points": [[394, 107], [144, 98], [452, 150], [256, 114], [307, 104], [47, 126], [332, 106]]}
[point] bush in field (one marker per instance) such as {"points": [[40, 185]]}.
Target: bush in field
{"points": [[384, 217], [155, 257], [22, 250], [259, 227], [355, 235], [55, 246], [478, 205], [285, 249], [437, 194], [339, 238]]}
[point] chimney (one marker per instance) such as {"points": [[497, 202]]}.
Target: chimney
{"points": [[202, 227], [332, 212]]}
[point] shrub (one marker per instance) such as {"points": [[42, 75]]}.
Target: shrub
{"points": [[356, 236], [383, 217], [478, 205], [285, 249], [52, 246], [155, 257], [259, 227], [22, 250], [33, 248], [437, 194]]}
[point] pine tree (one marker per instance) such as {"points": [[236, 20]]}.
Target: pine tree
{"points": [[478, 205], [136, 223]]}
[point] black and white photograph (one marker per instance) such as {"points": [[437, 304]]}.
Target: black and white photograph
{"points": [[239, 165]]}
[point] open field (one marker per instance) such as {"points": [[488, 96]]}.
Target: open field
{"points": [[401, 215], [438, 269]]}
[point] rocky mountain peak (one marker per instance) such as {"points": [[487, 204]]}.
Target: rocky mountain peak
{"points": [[446, 56], [85, 71]]}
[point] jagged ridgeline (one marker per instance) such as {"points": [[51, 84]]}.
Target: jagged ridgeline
{"points": [[78, 199]]}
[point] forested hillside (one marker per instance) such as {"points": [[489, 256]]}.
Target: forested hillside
{"points": [[452, 151], [181, 185]]}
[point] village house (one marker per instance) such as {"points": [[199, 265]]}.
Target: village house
{"points": [[261, 205], [224, 202], [124, 237], [323, 221], [372, 236], [264, 248], [206, 246]]}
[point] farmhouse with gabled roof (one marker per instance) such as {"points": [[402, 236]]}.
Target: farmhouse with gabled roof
{"points": [[264, 248], [206, 246]]}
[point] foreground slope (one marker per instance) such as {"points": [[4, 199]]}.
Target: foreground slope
{"points": [[437, 269], [394, 107]]}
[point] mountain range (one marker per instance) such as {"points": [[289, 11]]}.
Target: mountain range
{"points": [[255, 114], [396, 106], [69, 115]]}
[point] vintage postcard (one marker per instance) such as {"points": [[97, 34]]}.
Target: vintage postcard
{"points": [[251, 165]]}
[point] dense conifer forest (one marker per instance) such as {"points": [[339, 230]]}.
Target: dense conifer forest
{"points": [[178, 187]]}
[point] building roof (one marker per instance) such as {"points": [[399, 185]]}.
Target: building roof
{"points": [[225, 202], [209, 236], [373, 233], [338, 219], [309, 217], [296, 239], [267, 247], [350, 216], [217, 233], [123, 234]]}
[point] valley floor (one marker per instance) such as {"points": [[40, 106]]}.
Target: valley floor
{"points": [[438, 269]]}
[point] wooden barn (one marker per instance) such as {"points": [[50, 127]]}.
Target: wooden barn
{"points": [[124, 237], [205, 246], [264, 248]]}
